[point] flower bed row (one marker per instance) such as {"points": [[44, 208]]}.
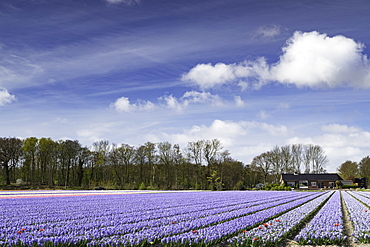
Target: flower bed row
{"points": [[359, 214], [327, 225], [106, 218], [272, 232], [217, 233], [154, 234]]}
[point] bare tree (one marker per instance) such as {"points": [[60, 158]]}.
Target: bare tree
{"points": [[263, 163], [287, 159], [297, 153], [317, 159], [277, 166]]}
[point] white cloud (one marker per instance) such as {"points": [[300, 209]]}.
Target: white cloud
{"points": [[194, 97], [209, 76], [6, 97], [225, 131], [263, 115], [316, 60], [267, 31], [90, 134], [191, 98], [238, 101], [338, 128], [143, 105], [243, 85], [274, 130], [309, 59], [123, 105], [172, 103]]}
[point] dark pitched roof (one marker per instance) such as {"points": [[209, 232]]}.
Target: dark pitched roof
{"points": [[309, 176]]}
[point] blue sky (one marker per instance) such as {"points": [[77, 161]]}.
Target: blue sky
{"points": [[254, 74]]}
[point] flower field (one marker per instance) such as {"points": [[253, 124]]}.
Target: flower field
{"points": [[230, 218]]}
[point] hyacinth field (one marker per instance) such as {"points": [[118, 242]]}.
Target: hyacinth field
{"points": [[229, 218]]}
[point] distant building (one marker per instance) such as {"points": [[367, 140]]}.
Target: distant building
{"points": [[346, 182], [259, 185], [361, 182], [311, 181]]}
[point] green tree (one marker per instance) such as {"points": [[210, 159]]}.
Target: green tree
{"points": [[10, 155], [30, 149], [69, 151], [98, 172], [127, 155], [364, 167], [215, 181], [348, 170], [47, 159]]}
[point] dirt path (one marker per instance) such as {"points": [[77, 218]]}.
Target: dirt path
{"points": [[348, 227], [348, 230]]}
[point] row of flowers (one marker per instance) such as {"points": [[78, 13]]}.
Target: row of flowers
{"points": [[327, 225], [215, 233], [154, 234], [106, 218], [359, 214], [271, 232]]}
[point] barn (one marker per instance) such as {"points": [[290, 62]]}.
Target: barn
{"points": [[310, 181]]}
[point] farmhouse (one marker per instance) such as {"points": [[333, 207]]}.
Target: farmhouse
{"points": [[310, 181]]}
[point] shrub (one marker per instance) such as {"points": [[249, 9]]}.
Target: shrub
{"points": [[349, 186], [239, 185], [277, 187], [142, 186]]}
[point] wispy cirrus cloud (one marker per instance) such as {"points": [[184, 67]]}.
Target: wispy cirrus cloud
{"points": [[16, 69], [309, 59], [127, 2]]}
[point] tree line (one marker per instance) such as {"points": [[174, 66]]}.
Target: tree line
{"points": [[66, 163], [203, 164]]}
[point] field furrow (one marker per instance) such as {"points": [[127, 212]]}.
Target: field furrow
{"points": [[229, 218]]}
